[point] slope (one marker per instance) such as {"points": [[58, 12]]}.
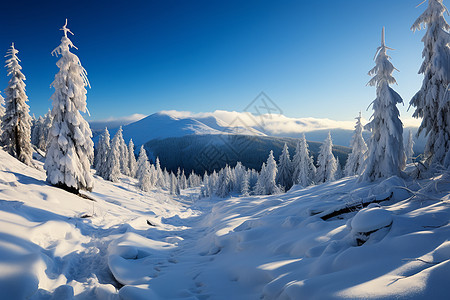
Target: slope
{"points": [[133, 245]]}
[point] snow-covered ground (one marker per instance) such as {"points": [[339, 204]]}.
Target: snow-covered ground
{"points": [[300, 245]]}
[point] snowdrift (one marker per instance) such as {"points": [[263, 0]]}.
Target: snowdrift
{"points": [[393, 241]]}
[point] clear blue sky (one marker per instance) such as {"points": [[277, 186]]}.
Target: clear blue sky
{"points": [[310, 57]]}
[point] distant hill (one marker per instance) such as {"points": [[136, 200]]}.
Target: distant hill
{"points": [[213, 152]]}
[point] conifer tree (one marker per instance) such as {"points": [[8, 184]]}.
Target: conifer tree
{"points": [[260, 187], [132, 163], [160, 178], [123, 150], [2, 111], [71, 151], [101, 159], [143, 172], [112, 170], [327, 165], [304, 169], [16, 121], [409, 151], [245, 185], [36, 130], [432, 101], [386, 155], [44, 131], [285, 170], [355, 160]]}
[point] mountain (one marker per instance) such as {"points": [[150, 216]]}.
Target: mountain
{"points": [[167, 124], [163, 125]]}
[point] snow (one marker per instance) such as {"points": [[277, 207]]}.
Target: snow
{"points": [[370, 219], [129, 244]]}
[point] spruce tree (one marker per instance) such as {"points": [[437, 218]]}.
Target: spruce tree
{"points": [[284, 175], [101, 159], [132, 163], [112, 170], [16, 122], [143, 172], [355, 160], [245, 185], [432, 101], [304, 169], [327, 165], [71, 151], [2, 112], [386, 155], [409, 151]]}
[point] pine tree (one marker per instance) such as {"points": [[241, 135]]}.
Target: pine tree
{"points": [[101, 159], [409, 151], [260, 187], [355, 160], [386, 156], [143, 172], [44, 132], [339, 173], [174, 187], [285, 170], [266, 184], [16, 122], [2, 111], [303, 164], [132, 163], [245, 185], [71, 150], [160, 178], [112, 170], [432, 101], [123, 150], [36, 130], [304, 169], [327, 165]]}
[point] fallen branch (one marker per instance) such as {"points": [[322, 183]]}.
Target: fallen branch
{"points": [[351, 208]]}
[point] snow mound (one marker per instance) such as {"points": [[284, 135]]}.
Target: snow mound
{"points": [[370, 219]]}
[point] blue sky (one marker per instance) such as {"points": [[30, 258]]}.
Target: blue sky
{"points": [[310, 57]]}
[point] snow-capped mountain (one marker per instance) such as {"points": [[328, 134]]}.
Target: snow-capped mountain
{"points": [[168, 124], [172, 123]]}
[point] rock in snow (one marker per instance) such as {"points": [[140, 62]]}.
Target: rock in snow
{"points": [[371, 218]]}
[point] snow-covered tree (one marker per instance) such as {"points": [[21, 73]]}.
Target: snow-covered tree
{"points": [[224, 184], [101, 159], [44, 131], [132, 163], [160, 178], [36, 129], [245, 185], [304, 169], [266, 184], [174, 187], [409, 151], [2, 111], [123, 150], [71, 151], [112, 168], [16, 121], [386, 155], [327, 164], [284, 175], [355, 160], [432, 101], [143, 172]]}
